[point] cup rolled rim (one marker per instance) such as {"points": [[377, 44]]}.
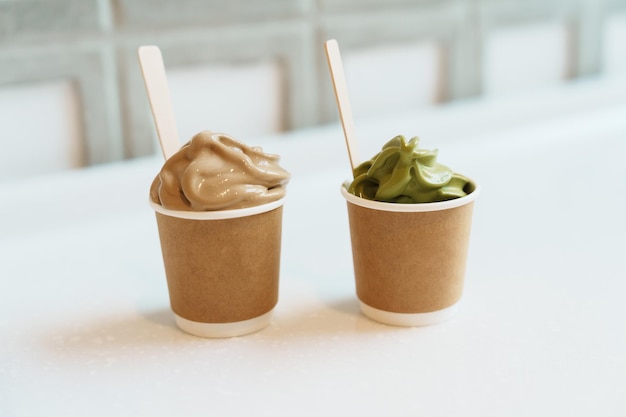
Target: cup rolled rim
{"points": [[218, 214], [412, 207]]}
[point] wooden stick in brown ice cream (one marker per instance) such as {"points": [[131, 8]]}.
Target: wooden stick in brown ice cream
{"points": [[153, 71], [341, 94]]}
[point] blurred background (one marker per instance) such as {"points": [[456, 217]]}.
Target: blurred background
{"points": [[71, 93]]}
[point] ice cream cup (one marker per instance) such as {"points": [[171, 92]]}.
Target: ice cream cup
{"points": [[222, 267], [409, 259]]}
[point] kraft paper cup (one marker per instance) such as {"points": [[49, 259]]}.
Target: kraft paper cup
{"points": [[222, 267], [409, 259]]}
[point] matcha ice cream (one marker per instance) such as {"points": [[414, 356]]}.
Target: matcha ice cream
{"points": [[403, 173]]}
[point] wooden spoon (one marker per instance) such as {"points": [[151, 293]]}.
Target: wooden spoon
{"points": [[341, 94], [153, 71]]}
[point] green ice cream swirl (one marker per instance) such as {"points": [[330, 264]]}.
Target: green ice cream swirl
{"points": [[402, 173]]}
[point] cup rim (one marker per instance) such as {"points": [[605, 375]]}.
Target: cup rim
{"points": [[411, 207], [218, 214]]}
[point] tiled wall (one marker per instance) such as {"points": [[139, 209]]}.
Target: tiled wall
{"points": [[409, 52]]}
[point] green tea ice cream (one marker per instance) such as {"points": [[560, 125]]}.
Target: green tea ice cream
{"points": [[403, 173]]}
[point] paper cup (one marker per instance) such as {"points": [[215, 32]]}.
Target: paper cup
{"points": [[409, 259], [222, 267]]}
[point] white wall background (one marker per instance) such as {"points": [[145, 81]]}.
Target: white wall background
{"points": [[41, 129], [243, 101]]}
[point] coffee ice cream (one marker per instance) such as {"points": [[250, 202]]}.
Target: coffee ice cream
{"points": [[213, 171]]}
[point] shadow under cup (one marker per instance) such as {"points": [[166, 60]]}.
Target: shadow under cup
{"points": [[409, 259], [222, 267]]}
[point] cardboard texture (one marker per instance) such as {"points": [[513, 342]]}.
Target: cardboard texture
{"points": [[409, 262], [222, 271]]}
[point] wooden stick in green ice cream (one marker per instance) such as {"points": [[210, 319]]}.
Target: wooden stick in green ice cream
{"points": [[341, 94]]}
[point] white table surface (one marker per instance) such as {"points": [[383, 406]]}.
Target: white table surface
{"points": [[86, 329]]}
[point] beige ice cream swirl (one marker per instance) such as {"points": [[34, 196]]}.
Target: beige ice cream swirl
{"points": [[213, 171]]}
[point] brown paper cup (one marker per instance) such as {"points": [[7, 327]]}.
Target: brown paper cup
{"points": [[222, 267], [409, 259]]}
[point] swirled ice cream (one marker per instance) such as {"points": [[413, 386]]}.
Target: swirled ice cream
{"points": [[213, 171], [403, 173]]}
